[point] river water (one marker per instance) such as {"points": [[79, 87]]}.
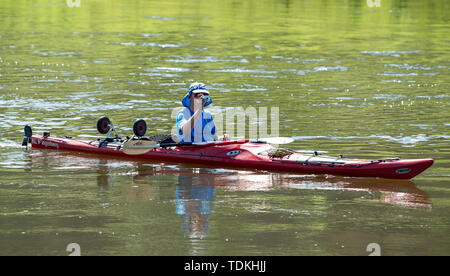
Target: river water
{"points": [[361, 78]]}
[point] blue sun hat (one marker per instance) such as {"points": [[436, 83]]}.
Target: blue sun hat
{"points": [[196, 87]]}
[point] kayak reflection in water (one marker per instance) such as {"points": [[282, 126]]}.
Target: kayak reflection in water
{"points": [[194, 123]]}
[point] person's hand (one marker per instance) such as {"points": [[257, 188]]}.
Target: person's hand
{"points": [[225, 137], [198, 103]]}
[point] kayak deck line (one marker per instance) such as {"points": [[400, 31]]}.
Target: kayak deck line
{"points": [[246, 155]]}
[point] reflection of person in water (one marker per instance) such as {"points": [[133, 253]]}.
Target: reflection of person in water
{"points": [[194, 196]]}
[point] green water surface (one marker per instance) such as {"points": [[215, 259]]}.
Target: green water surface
{"points": [[347, 78]]}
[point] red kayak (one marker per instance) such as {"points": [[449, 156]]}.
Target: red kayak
{"points": [[244, 154]]}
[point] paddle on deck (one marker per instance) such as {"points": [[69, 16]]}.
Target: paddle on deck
{"points": [[276, 140], [137, 147]]}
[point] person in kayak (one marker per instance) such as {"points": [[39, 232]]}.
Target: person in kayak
{"points": [[194, 123]]}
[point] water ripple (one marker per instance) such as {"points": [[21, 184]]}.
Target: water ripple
{"points": [[409, 67], [406, 140], [54, 53], [242, 70], [396, 74], [203, 59], [160, 17], [167, 69], [390, 53], [329, 68]]}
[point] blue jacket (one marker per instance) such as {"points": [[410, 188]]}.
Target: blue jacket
{"points": [[203, 130]]}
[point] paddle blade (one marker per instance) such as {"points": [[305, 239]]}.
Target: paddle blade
{"points": [[137, 147], [277, 140]]}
